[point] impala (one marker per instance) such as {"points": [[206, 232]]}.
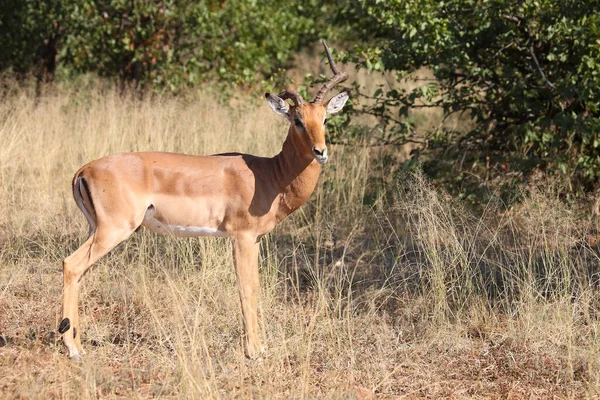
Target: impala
{"points": [[236, 195]]}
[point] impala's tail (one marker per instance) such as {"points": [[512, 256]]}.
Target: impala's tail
{"points": [[83, 198]]}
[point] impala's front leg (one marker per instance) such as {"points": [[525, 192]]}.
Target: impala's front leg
{"points": [[245, 258]]}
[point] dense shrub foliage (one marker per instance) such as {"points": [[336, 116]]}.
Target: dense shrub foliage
{"points": [[527, 73], [168, 44]]}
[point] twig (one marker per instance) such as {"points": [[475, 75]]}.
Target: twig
{"points": [[537, 64], [383, 143], [512, 18], [528, 36]]}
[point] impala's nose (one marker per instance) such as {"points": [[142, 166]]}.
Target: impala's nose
{"points": [[320, 154]]}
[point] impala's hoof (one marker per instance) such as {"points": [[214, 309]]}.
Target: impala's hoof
{"points": [[76, 357], [64, 326], [255, 353]]}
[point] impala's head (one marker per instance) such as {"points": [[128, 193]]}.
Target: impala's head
{"points": [[308, 119]]}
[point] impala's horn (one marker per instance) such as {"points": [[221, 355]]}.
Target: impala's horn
{"points": [[338, 77], [292, 95]]}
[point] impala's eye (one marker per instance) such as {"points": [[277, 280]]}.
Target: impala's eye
{"points": [[325, 121], [298, 122]]}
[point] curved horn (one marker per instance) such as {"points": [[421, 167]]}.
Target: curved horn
{"points": [[338, 77], [293, 95]]}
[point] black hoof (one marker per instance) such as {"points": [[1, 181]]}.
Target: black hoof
{"points": [[64, 326]]}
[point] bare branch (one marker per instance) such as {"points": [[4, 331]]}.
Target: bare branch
{"points": [[512, 18], [539, 68]]}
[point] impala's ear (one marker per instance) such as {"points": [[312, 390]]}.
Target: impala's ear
{"points": [[278, 105], [336, 103]]}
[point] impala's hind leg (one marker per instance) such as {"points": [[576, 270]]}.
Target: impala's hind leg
{"points": [[101, 242]]}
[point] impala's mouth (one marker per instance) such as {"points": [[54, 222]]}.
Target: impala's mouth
{"points": [[321, 160], [320, 155]]}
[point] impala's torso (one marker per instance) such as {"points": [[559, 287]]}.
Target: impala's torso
{"points": [[184, 195]]}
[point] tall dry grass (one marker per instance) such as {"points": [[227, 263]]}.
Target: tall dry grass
{"points": [[372, 288]]}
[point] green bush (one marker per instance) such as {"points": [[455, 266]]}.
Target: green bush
{"points": [[527, 73], [166, 44], [30, 31]]}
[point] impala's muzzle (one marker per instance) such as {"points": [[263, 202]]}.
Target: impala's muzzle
{"points": [[320, 155]]}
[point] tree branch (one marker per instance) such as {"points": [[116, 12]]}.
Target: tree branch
{"points": [[539, 68]]}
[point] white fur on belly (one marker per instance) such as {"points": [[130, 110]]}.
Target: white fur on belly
{"points": [[176, 230]]}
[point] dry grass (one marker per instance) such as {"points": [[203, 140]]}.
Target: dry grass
{"points": [[404, 295]]}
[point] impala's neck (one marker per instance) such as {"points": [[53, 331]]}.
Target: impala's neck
{"points": [[295, 175]]}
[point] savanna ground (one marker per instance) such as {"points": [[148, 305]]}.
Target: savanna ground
{"points": [[377, 287]]}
